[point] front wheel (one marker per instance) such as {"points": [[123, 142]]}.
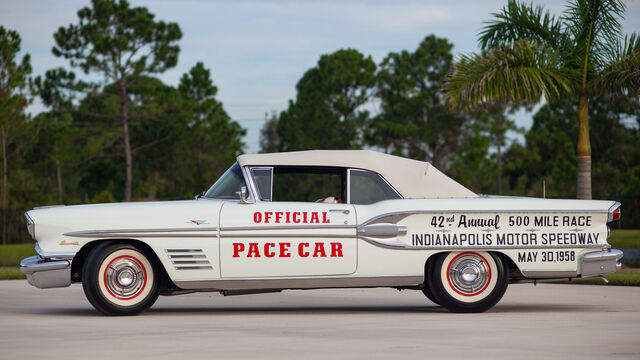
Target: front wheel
{"points": [[119, 279], [468, 281]]}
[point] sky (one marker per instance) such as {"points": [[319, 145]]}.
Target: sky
{"points": [[258, 50]]}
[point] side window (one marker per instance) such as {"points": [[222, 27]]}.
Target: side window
{"points": [[262, 177], [366, 187], [309, 184]]}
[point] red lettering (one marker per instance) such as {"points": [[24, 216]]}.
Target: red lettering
{"points": [[301, 251], [319, 251], [324, 218], [253, 250], [237, 249], [288, 217], [278, 216], [314, 218], [296, 217], [257, 217], [284, 250], [304, 217], [267, 252], [267, 216], [336, 249]]}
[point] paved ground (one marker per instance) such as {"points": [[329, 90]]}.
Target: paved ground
{"points": [[547, 321]]}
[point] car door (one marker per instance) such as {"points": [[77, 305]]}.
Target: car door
{"points": [[272, 238]]}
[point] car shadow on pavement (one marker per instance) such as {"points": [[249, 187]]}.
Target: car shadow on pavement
{"points": [[314, 310]]}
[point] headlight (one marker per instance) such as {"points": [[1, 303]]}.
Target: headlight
{"points": [[31, 226]]}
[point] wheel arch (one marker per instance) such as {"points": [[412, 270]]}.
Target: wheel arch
{"points": [[79, 259]]}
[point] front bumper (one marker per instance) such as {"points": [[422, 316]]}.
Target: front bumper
{"points": [[601, 263], [46, 273]]}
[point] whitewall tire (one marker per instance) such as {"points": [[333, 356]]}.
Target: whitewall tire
{"points": [[468, 281], [119, 279]]}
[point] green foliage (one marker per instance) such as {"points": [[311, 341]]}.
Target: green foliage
{"points": [[529, 54], [118, 41], [269, 138], [413, 121], [14, 97], [327, 112], [123, 45], [211, 140]]}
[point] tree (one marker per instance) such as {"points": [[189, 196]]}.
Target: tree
{"points": [[414, 120], [121, 44], [211, 138], [529, 53], [14, 81], [327, 112], [269, 140]]}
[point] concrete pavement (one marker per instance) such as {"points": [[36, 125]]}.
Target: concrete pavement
{"points": [[546, 321]]}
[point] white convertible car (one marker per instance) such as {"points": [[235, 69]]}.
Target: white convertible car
{"points": [[320, 219]]}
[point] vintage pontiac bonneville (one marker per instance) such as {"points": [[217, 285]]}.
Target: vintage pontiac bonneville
{"points": [[320, 219]]}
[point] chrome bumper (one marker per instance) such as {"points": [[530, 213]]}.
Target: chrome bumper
{"points": [[46, 273], [601, 263]]}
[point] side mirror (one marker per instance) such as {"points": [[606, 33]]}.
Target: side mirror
{"points": [[244, 195]]}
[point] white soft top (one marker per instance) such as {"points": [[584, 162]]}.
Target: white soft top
{"points": [[412, 178]]}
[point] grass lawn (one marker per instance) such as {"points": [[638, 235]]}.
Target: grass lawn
{"points": [[625, 277], [11, 273], [625, 239], [10, 255]]}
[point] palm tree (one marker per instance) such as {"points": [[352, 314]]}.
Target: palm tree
{"points": [[529, 54]]}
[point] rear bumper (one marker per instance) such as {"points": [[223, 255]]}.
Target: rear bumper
{"points": [[601, 263], [46, 273]]}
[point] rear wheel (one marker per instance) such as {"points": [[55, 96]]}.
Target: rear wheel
{"points": [[468, 281], [119, 279]]}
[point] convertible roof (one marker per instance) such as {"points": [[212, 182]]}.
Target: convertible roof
{"points": [[412, 178]]}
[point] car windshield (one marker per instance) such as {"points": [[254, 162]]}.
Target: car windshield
{"points": [[228, 185]]}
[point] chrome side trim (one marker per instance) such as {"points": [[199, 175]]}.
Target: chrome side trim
{"points": [[301, 282], [54, 255], [163, 233], [183, 251], [194, 267], [549, 274], [287, 227], [263, 235], [382, 229], [406, 213]]}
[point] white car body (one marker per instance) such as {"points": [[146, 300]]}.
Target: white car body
{"points": [[252, 245]]}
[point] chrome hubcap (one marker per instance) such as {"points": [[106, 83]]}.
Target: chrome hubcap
{"points": [[125, 277], [469, 274]]}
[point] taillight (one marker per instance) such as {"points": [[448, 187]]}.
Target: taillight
{"points": [[614, 212]]}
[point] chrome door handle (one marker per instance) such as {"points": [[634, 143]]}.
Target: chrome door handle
{"points": [[346, 212]]}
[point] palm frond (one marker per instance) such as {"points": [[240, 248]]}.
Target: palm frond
{"points": [[595, 28], [622, 75], [519, 21], [519, 72]]}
